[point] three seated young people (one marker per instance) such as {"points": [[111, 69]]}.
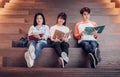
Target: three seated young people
{"points": [[40, 32]]}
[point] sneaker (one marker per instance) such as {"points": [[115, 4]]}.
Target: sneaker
{"points": [[31, 51], [97, 54], [92, 60], [30, 62], [65, 57], [61, 62]]}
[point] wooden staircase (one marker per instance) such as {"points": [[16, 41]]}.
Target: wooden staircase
{"points": [[17, 16]]}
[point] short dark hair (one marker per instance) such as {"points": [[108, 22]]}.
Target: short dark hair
{"points": [[85, 9], [35, 17], [63, 16]]}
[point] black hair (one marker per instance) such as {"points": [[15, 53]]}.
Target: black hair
{"points": [[35, 17], [63, 16], [84, 9]]}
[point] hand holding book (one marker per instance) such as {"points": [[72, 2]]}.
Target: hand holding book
{"points": [[98, 29], [35, 38]]}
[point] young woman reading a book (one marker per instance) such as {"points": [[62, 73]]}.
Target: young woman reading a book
{"points": [[87, 42], [60, 44], [38, 35]]}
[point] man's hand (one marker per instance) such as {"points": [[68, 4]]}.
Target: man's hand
{"points": [[95, 33]]}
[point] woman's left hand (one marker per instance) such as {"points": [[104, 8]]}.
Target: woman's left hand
{"points": [[65, 39]]}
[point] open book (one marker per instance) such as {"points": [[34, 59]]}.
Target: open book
{"points": [[59, 34], [33, 38], [99, 29]]}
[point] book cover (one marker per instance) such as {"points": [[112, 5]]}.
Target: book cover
{"points": [[33, 38], [99, 29], [59, 34]]}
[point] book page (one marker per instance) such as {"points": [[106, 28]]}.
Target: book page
{"points": [[67, 34], [89, 30]]}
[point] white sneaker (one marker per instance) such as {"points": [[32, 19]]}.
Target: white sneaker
{"points": [[30, 62], [61, 62], [31, 51], [64, 56]]}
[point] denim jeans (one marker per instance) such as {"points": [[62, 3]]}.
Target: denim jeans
{"points": [[89, 46], [60, 47], [39, 45]]}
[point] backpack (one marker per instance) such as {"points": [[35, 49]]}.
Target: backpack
{"points": [[23, 42]]}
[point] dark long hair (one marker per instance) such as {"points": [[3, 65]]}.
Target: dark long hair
{"points": [[63, 16], [35, 17]]}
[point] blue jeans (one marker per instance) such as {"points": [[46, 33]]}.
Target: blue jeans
{"points": [[39, 45], [89, 46]]}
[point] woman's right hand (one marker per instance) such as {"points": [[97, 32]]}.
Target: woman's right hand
{"points": [[57, 40]]}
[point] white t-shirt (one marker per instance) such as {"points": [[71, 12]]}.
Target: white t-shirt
{"points": [[81, 28], [64, 29]]}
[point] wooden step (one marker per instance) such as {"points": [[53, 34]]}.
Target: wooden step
{"points": [[48, 58], [117, 29], [11, 36], [13, 29], [54, 13], [117, 3], [50, 3], [48, 52], [105, 1], [117, 19], [58, 72], [9, 29], [22, 1], [5, 44], [1, 61], [45, 5], [12, 20], [50, 17], [74, 19], [95, 11], [2, 3], [13, 51], [12, 12], [71, 19], [114, 11]]}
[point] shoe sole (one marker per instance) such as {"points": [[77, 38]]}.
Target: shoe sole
{"points": [[27, 60], [64, 56], [61, 62], [31, 51], [97, 55], [92, 60]]}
